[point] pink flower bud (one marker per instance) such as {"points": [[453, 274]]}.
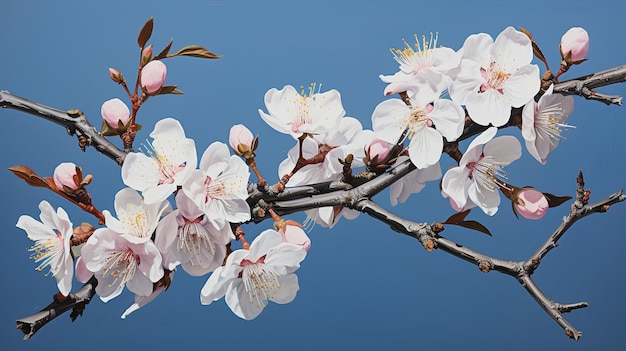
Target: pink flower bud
{"points": [[378, 148], [575, 42], [64, 176], [116, 75], [146, 54], [240, 139], [153, 76], [293, 234], [531, 203], [115, 111]]}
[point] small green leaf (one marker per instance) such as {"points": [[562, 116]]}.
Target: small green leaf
{"points": [[145, 33], [29, 176], [169, 89], [165, 51], [195, 51], [106, 130], [554, 201]]}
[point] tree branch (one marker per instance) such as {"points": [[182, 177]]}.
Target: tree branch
{"points": [[75, 301], [74, 121], [584, 85]]}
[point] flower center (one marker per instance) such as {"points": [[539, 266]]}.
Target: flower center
{"points": [[49, 252], [260, 281], [193, 239], [305, 103], [166, 169], [119, 267], [549, 122], [417, 120], [135, 220], [414, 58], [495, 78], [487, 172]]}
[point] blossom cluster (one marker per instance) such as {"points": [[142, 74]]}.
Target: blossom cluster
{"points": [[178, 211]]}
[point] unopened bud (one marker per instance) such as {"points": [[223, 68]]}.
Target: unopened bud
{"points": [[530, 203], [115, 113], [65, 175], [153, 76], [146, 55], [241, 140], [116, 76], [574, 45]]}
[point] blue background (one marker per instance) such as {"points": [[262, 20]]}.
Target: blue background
{"points": [[362, 285]]}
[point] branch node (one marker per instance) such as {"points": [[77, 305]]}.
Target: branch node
{"points": [[428, 242], [485, 266]]}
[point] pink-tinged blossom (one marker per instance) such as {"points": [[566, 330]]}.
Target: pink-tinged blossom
{"points": [[531, 203], [251, 278], [241, 139], [421, 64], [65, 176], [136, 221], [166, 164], [428, 120], [543, 122], [475, 182], [52, 243], [494, 76], [574, 45], [153, 76], [117, 262], [348, 138], [294, 234], [294, 113], [115, 113], [220, 186], [186, 237]]}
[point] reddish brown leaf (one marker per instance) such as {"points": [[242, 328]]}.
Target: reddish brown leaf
{"points": [[195, 51], [554, 201], [475, 226], [457, 217], [29, 176], [165, 51], [145, 33]]}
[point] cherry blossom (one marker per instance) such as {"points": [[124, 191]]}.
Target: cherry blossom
{"points": [[186, 237], [136, 220], [307, 112], [420, 64], [52, 243], [167, 163], [542, 123], [118, 262], [475, 182], [495, 75], [428, 120], [251, 278], [220, 187], [348, 138]]}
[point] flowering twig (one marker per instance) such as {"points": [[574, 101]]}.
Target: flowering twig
{"points": [[74, 121], [75, 301]]}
